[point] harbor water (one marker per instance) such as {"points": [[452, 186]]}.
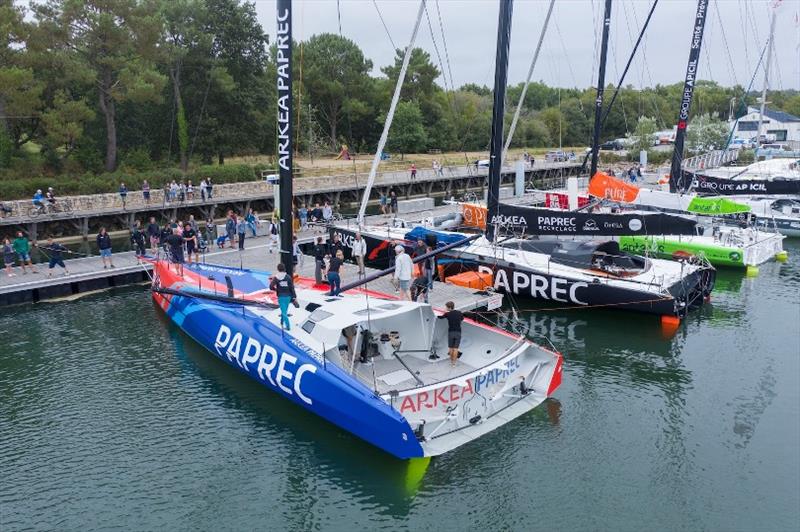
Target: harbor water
{"points": [[110, 417]]}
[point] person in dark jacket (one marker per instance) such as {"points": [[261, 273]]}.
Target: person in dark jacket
{"points": [[320, 251], [104, 245], [55, 252], [138, 239], [283, 286], [334, 277], [335, 246], [153, 234]]}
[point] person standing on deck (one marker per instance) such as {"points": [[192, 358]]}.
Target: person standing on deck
{"points": [[203, 189], [252, 221], [153, 233], [283, 286], [56, 253], [191, 221], [302, 213], [23, 250], [9, 257], [230, 228], [334, 277], [413, 171], [209, 187], [190, 240], [123, 194], [173, 243], [189, 190], [146, 192], [335, 245], [320, 251], [138, 239], [327, 213], [383, 202], [241, 231], [393, 202], [359, 252], [403, 268], [454, 319], [104, 245], [297, 254]]}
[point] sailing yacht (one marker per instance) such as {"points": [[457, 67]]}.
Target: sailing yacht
{"points": [[374, 366]]}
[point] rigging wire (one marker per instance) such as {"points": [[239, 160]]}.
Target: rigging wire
{"points": [[444, 43], [339, 16], [725, 43], [436, 46], [380, 16], [660, 122]]}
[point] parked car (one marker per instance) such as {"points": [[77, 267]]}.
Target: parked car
{"points": [[741, 144], [614, 145], [556, 156]]}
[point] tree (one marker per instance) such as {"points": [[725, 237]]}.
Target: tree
{"points": [[407, 134], [706, 133], [335, 74], [644, 134], [118, 41]]}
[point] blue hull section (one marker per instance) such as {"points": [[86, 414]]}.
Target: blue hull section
{"points": [[278, 361]]}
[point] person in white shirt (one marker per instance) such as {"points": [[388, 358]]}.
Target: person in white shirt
{"points": [[403, 268], [327, 213], [359, 252]]}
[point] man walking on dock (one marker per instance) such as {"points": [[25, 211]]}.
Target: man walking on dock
{"points": [[23, 250], [320, 250], [403, 268], [359, 252]]}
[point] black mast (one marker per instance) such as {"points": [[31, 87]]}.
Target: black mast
{"points": [[676, 173], [498, 111], [601, 81], [283, 41]]}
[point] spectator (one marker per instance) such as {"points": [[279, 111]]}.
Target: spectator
{"points": [[146, 192], [316, 214], [335, 245], [419, 249], [302, 213], [123, 194], [283, 287], [104, 245], [334, 278], [56, 253], [181, 191], [209, 187], [327, 213], [252, 221], [320, 251], [173, 243], [23, 249], [454, 319], [166, 231], [190, 240], [153, 233], [419, 288], [51, 198], [413, 171], [38, 199], [211, 231], [393, 202], [230, 227], [402, 272], [297, 254], [359, 252], [5, 210], [138, 239], [203, 189], [189, 192], [9, 257], [173, 190], [241, 230], [273, 234], [383, 202]]}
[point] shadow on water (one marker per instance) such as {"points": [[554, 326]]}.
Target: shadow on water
{"points": [[355, 466]]}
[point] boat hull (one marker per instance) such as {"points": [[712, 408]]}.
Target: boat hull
{"points": [[717, 253], [277, 361], [539, 284]]}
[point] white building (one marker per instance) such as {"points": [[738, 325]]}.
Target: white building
{"points": [[784, 126]]}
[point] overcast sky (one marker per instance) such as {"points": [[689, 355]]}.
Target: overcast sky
{"points": [[570, 49]]}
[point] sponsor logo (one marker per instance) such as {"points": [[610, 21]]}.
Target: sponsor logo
{"points": [[280, 371], [553, 288], [284, 50], [557, 224], [436, 398], [502, 219], [635, 224], [735, 256], [590, 225]]}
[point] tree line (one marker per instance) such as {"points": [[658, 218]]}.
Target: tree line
{"points": [[87, 86]]}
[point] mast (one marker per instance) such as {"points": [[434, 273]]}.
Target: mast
{"points": [[389, 116], [770, 43], [601, 81], [498, 110], [283, 41], [676, 172]]}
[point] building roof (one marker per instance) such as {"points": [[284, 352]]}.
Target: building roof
{"points": [[774, 114]]}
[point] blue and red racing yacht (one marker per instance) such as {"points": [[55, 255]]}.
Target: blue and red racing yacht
{"points": [[375, 366]]}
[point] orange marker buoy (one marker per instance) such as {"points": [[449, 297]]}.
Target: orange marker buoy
{"points": [[669, 326]]}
